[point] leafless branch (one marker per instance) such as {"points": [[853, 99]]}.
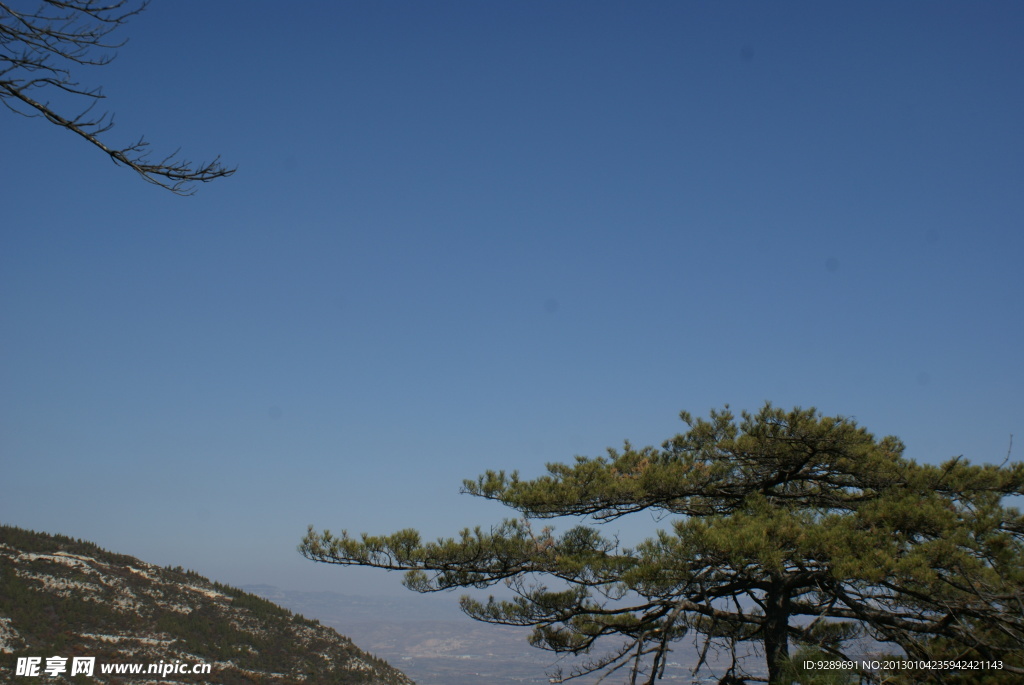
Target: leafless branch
{"points": [[37, 51]]}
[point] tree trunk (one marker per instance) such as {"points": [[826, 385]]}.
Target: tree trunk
{"points": [[776, 629]]}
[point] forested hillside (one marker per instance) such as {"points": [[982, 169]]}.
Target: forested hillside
{"points": [[66, 597]]}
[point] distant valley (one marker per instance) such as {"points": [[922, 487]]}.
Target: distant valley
{"points": [[428, 638], [434, 643]]}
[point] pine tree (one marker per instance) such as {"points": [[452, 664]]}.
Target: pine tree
{"points": [[785, 529]]}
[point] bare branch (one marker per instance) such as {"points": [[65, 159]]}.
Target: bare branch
{"points": [[37, 51]]}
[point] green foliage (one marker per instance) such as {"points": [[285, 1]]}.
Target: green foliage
{"points": [[785, 527]]}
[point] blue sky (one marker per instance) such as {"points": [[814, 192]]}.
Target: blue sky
{"points": [[466, 236]]}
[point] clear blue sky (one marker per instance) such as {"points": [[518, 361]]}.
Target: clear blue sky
{"points": [[474, 235]]}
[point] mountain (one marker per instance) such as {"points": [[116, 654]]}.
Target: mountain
{"points": [[67, 598]]}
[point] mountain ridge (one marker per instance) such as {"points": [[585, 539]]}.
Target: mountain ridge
{"points": [[70, 598]]}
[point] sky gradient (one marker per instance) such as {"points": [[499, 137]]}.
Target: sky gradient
{"points": [[470, 236]]}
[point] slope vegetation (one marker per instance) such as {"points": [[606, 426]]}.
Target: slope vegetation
{"points": [[66, 597]]}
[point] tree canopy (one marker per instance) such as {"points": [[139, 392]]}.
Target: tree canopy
{"points": [[785, 529], [39, 47]]}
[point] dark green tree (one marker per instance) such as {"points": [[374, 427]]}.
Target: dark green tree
{"points": [[42, 42], [785, 529]]}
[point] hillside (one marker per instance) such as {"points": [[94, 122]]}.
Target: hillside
{"points": [[65, 597]]}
